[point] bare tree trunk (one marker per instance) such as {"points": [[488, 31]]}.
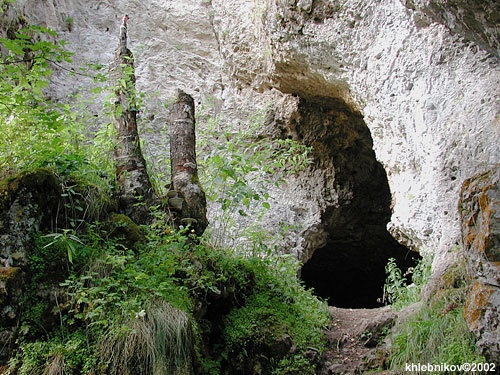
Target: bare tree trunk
{"points": [[136, 192], [185, 182]]}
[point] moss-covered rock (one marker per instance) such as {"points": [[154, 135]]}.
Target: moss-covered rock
{"points": [[122, 228], [29, 202], [480, 219], [10, 282]]}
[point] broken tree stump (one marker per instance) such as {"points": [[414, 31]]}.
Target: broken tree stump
{"points": [[135, 189], [185, 180]]}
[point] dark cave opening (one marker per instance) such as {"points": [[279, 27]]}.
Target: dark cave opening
{"points": [[352, 274], [349, 271]]}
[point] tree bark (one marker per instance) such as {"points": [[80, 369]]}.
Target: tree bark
{"points": [[185, 180], [135, 189]]}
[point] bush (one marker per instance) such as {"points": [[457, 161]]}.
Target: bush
{"points": [[61, 354], [173, 302], [280, 326], [398, 290], [437, 333]]}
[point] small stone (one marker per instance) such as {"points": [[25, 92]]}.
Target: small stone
{"points": [[18, 255], [305, 5], [175, 203], [172, 194]]}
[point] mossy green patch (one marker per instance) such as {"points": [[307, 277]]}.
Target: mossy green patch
{"points": [[122, 228], [42, 183]]}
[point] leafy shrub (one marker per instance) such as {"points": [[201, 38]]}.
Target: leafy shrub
{"points": [[280, 320], [125, 298], [437, 333], [237, 168], [36, 132], [70, 354], [46, 266], [398, 290]]}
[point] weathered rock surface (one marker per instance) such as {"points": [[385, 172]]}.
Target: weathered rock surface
{"points": [[423, 75], [474, 20], [427, 95], [28, 202], [480, 218]]}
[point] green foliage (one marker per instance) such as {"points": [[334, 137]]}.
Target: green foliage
{"points": [[27, 120], [47, 265], [69, 23], [67, 239], [124, 300], [118, 282], [437, 332], [38, 133], [237, 169], [395, 284], [125, 84], [279, 310], [71, 354], [397, 290]]}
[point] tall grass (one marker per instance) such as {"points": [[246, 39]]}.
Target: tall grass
{"points": [[435, 336], [437, 332], [157, 341]]}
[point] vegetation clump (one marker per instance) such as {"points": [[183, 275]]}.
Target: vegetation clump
{"points": [[436, 332], [107, 296], [175, 305]]}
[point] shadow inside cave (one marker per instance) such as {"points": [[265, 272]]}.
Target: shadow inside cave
{"points": [[352, 274], [349, 270]]}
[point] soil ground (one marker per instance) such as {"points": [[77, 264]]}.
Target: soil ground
{"points": [[354, 337]]}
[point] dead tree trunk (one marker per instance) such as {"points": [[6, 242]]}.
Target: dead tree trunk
{"points": [[191, 200], [135, 189]]}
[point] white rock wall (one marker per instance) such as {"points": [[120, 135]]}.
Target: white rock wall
{"points": [[430, 99], [431, 103]]}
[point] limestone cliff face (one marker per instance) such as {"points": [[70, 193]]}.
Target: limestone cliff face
{"points": [[428, 96], [427, 93], [417, 79], [480, 219]]}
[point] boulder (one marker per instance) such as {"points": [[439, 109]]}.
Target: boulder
{"points": [[480, 219]]}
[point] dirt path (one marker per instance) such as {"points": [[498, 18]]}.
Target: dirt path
{"points": [[353, 338]]}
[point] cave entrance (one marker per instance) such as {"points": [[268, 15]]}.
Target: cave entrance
{"points": [[352, 274], [349, 270]]}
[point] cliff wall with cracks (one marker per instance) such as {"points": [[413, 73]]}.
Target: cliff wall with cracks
{"points": [[423, 74], [428, 96], [480, 219]]}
